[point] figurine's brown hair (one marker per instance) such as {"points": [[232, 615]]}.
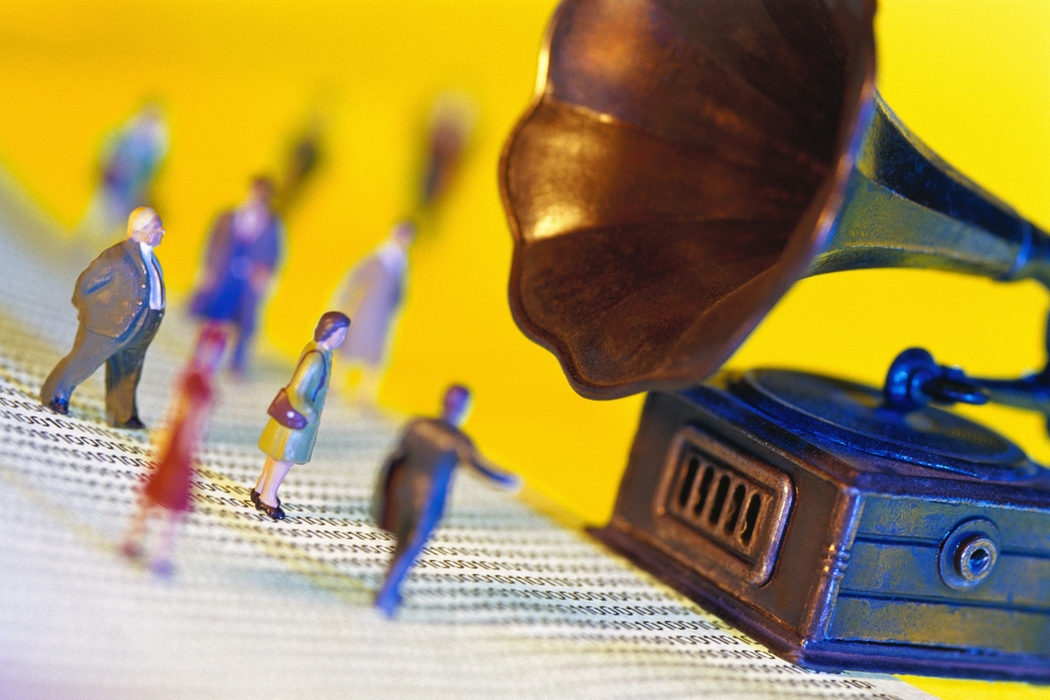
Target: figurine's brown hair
{"points": [[265, 182], [330, 322]]}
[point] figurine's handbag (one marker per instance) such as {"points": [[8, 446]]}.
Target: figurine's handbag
{"points": [[281, 409]]}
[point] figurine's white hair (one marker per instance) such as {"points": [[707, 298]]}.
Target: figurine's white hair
{"points": [[140, 219]]}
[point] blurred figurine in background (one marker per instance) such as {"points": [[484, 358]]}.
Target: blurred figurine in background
{"points": [[167, 492], [414, 482], [239, 263], [372, 291], [130, 159], [372, 296], [449, 126], [295, 413], [120, 303], [304, 158]]}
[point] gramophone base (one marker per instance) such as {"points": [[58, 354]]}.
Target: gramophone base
{"points": [[822, 656], [833, 556]]}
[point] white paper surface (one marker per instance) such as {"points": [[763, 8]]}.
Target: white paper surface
{"points": [[505, 602]]}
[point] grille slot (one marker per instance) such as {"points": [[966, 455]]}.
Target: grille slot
{"points": [[687, 483], [705, 485], [753, 507], [738, 504], [719, 516]]}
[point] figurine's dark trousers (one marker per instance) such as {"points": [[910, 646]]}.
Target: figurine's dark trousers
{"points": [[123, 359], [412, 523]]}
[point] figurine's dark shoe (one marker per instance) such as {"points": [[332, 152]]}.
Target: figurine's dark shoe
{"points": [[134, 423], [388, 601], [274, 512], [254, 495], [59, 406], [131, 550]]}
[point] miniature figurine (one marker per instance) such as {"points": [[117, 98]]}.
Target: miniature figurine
{"points": [[449, 126], [239, 264], [373, 289], [167, 493], [295, 413], [120, 304], [413, 485], [372, 297], [130, 160], [304, 157]]}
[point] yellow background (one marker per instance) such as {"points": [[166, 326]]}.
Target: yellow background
{"points": [[971, 77]]}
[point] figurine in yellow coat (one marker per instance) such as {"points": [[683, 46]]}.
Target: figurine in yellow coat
{"points": [[289, 436]]}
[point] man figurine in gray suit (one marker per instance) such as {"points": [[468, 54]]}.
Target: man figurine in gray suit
{"points": [[120, 304]]}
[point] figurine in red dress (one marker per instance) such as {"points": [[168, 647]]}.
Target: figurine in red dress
{"points": [[167, 493]]}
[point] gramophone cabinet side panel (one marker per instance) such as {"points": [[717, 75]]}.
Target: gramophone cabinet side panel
{"points": [[801, 581], [929, 519], [923, 624], [893, 590]]}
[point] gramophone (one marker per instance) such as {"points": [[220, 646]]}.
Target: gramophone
{"points": [[683, 163]]}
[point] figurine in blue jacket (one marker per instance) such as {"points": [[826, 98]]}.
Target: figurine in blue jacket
{"points": [[239, 264]]}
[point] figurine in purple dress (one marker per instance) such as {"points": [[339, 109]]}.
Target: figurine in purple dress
{"points": [[242, 254], [374, 288], [414, 483], [372, 296]]}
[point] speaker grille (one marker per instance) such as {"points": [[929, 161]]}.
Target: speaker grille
{"points": [[738, 504]]}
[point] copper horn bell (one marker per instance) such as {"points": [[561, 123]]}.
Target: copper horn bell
{"points": [[684, 162]]}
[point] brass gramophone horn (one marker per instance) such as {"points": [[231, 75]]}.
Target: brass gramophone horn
{"points": [[684, 162]]}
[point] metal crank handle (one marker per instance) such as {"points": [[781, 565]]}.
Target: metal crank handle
{"points": [[916, 379]]}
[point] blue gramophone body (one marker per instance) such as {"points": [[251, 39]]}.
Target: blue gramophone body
{"points": [[842, 533], [681, 166]]}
